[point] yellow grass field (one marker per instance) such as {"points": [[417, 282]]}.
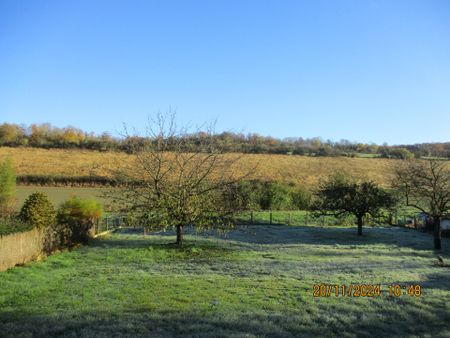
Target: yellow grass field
{"points": [[286, 168]]}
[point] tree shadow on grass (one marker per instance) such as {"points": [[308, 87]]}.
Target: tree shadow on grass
{"points": [[197, 248], [122, 243], [286, 235], [434, 280], [282, 235], [395, 318]]}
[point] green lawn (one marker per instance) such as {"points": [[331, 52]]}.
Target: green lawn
{"points": [[256, 281]]}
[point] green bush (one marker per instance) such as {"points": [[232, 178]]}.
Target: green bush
{"points": [[11, 225], [273, 196], [38, 211], [300, 199], [241, 195], [259, 195], [79, 215]]}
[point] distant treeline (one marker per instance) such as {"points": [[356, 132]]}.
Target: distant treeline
{"points": [[47, 136]]}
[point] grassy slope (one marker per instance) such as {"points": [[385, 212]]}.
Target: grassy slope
{"points": [[57, 195], [297, 169], [257, 282]]}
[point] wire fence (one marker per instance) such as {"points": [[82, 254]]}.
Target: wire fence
{"points": [[291, 218], [110, 222], [306, 218]]}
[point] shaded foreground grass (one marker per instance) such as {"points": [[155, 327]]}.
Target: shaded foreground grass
{"points": [[257, 281]]}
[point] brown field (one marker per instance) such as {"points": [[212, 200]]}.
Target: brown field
{"points": [[286, 168]]}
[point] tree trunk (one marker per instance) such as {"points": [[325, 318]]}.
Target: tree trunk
{"points": [[360, 224], [179, 234], [437, 233]]}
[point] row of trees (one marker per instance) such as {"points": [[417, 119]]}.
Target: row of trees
{"points": [[47, 136], [422, 185], [197, 186]]}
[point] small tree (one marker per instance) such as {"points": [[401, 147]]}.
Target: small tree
{"points": [[80, 216], [38, 211], [178, 178], [7, 187], [340, 196], [425, 186]]}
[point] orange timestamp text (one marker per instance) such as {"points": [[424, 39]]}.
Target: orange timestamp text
{"points": [[366, 290]]}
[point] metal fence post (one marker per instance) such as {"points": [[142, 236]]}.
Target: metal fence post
{"points": [[270, 217]]}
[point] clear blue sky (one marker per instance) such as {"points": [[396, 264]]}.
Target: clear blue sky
{"points": [[370, 71]]}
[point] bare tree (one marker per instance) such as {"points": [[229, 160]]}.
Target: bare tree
{"points": [[178, 178], [425, 185]]}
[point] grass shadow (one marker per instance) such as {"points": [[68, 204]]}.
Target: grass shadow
{"points": [[315, 235], [281, 235], [400, 319]]}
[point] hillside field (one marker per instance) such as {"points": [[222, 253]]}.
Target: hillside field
{"points": [[301, 170], [57, 195], [257, 281]]}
